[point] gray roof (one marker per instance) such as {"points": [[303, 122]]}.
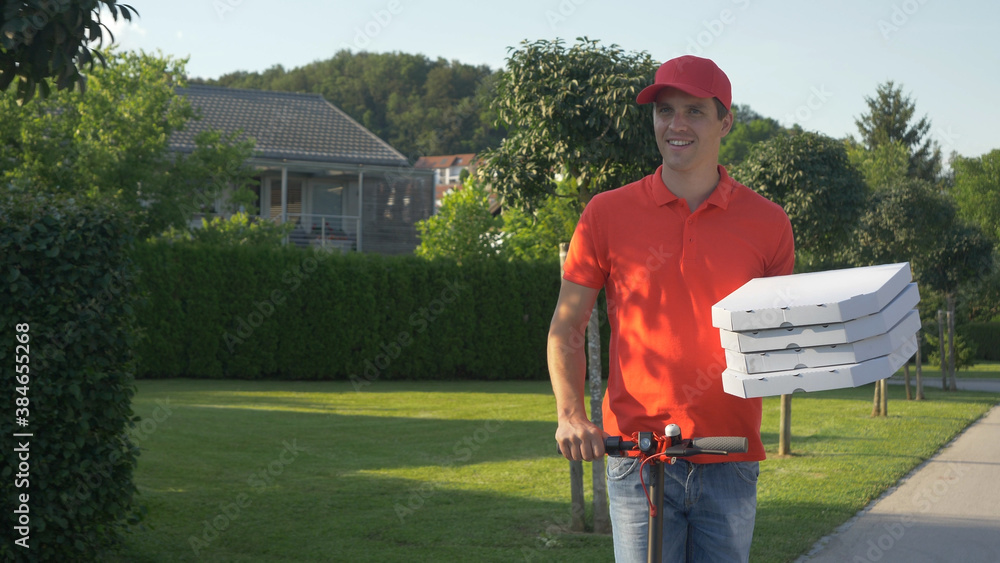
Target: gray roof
{"points": [[285, 126]]}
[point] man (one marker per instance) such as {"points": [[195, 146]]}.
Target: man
{"points": [[665, 249]]}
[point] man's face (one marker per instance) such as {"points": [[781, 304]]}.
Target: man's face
{"points": [[688, 130]]}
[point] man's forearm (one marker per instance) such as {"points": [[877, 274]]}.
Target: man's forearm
{"points": [[567, 371], [578, 438]]}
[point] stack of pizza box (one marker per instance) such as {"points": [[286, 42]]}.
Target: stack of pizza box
{"points": [[817, 331]]}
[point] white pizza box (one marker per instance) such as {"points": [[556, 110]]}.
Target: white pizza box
{"points": [[824, 334], [831, 355], [817, 379], [812, 298]]}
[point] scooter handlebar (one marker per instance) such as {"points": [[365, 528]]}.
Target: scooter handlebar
{"points": [[728, 444], [719, 445]]}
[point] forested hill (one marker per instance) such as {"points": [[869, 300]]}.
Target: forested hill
{"points": [[418, 105], [426, 107]]}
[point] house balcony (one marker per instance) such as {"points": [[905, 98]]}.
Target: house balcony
{"points": [[334, 233]]}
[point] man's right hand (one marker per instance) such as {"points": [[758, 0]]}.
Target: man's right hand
{"points": [[580, 440]]}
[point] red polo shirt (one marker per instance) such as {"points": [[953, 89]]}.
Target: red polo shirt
{"points": [[662, 268]]}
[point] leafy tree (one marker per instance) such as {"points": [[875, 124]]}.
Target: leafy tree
{"points": [[963, 255], [901, 224], [418, 105], [810, 176], [515, 235], [737, 144], [463, 228], [914, 222], [536, 236], [570, 111], [749, 128], [111, 144], [744, 114], [977, 193], [977, 190], [882, 166], [889, 119], [42, 40], [982, 300]]}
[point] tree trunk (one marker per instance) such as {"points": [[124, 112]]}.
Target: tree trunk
{"points": [[951, 343], [944, 371], [884, 404], [920, 381], [785, 434], [877, 400], [602, 517], [906, 380], [577, 508]]}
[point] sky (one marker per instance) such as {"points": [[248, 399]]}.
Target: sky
{"points": [[806, 62]]}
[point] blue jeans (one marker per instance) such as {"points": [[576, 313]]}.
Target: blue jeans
{"points": [[708, 510]]}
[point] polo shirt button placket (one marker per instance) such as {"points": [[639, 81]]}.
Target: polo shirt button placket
{"points": [[689, 238]]}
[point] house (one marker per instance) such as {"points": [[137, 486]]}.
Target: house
{"points": [[447, 171], [342, 186]]}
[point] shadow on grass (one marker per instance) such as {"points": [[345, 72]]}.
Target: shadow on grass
{"points": [[361, 518], [368, 519], [210, 435], [405, 442]]}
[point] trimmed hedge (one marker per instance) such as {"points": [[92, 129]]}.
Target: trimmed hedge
{"points": [[986, 337], [67, 326], [290, 313]]}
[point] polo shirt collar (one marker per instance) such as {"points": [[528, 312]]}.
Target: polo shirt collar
{"points": [[719, 197], [723, 190], [661, 194]]}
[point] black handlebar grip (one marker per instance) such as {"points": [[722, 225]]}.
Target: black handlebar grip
{"points": [[731, 444], [616, 446], [612, 445]]}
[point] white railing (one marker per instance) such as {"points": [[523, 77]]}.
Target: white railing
{"points": [[330, 232]]}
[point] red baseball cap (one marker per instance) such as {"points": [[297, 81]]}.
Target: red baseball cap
{"points": [[694, 75]]}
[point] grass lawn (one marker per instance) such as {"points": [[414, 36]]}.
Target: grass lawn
{"points": [[462, 471]]}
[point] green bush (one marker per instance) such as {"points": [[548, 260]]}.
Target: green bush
{"points": [[67, 326], [240, 228], [291, 313], [463, 228], [965, 350], [985, 336]]}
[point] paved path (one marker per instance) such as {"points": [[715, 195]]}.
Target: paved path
{"points": [[947, 510]]}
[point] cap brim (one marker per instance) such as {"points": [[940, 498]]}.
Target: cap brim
{"points": [[650, 93]]}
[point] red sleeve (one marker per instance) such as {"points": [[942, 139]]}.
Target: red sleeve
{"points": [[783, 262], [583, 264]]}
